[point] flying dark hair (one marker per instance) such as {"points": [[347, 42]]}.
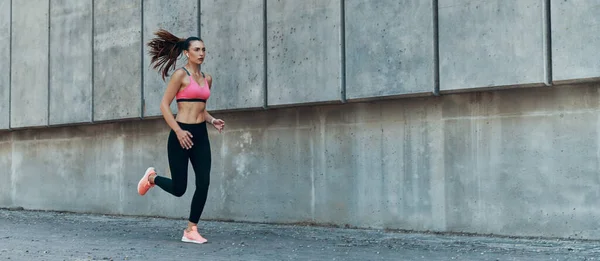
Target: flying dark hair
{"points": [[165, 49]]}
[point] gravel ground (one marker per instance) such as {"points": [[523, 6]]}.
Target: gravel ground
{"points": [[38, 235]]}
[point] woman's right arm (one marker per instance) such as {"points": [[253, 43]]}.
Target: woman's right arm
{"points": [[165, 107], [169, 95]]}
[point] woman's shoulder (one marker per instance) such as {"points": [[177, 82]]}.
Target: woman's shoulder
{"points": [[208, 78], [179, 74]]}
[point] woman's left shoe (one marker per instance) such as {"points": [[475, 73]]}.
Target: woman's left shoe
{"points": [[193, 236]]}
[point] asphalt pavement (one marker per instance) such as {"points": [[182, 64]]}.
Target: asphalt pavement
{"points": [[40, 235]]}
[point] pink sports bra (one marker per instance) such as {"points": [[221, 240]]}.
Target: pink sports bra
{"points": [[194, 92]]}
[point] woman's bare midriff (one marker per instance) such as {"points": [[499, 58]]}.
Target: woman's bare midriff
{"points": [[190, 112]]}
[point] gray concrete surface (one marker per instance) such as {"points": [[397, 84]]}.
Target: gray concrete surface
{"points": [[303, 51], [234, 32], [117, 59], [490, 43], [392, 53], [64, 236], [6, 191], [70, 61], [504, 46], [575, 39], [29, 64], [179, 17], [522, 162], [4, 64], [535, 155], [516, 162]]}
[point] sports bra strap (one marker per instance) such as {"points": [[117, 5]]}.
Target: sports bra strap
{"points": [[188, 73]]}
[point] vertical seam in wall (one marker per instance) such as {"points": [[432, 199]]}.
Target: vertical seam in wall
{"points": [[265, 58], [48, 64], [92, 63], [547, 32], [436, 50], [199, 19], [10, 49], [142, 100], [343, 51]]}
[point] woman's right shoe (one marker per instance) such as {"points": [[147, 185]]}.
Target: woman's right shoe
{"points": [[144, 185]]}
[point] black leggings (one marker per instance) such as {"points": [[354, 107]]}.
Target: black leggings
{"points": [[199, 156]]}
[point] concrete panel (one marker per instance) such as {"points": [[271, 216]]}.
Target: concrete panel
{"points": [[4, 64], [237, 69], [386, 177], [70, 61], [29, 64], [515, 166], [303, 51], [181, 19], [490, 43], [392, 54], [85, 170], [6, 186], [243, 164], [117, 59], [575, 39]]}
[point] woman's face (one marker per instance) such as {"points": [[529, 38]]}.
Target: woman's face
{"points": [[196, 52]]}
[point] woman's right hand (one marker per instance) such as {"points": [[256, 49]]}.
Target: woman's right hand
{"points": [[185, 139]]}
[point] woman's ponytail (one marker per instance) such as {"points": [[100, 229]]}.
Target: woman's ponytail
{"points": [[164, 51]]}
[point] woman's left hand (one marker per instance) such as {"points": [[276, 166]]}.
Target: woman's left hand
{"points": [[219, 124]]}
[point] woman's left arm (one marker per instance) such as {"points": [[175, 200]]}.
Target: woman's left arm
{"points": [[218, 123]]}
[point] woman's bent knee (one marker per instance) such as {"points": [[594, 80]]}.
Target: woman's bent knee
{"points": [[178, 192]]}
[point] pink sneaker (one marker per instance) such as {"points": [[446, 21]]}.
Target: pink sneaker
{"points": [[144, 185], [193, 236]]}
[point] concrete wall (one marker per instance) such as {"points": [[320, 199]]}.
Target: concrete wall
{"points": [[522, 162], [393, 53], [575, 39], [29, 64], [242, 85], [92, 63], [490, 43], [117, 59], [485, 162], [71, 60], [304, 55], [5, 63]]}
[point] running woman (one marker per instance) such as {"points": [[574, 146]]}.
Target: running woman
{"points": [[188, 137]]}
